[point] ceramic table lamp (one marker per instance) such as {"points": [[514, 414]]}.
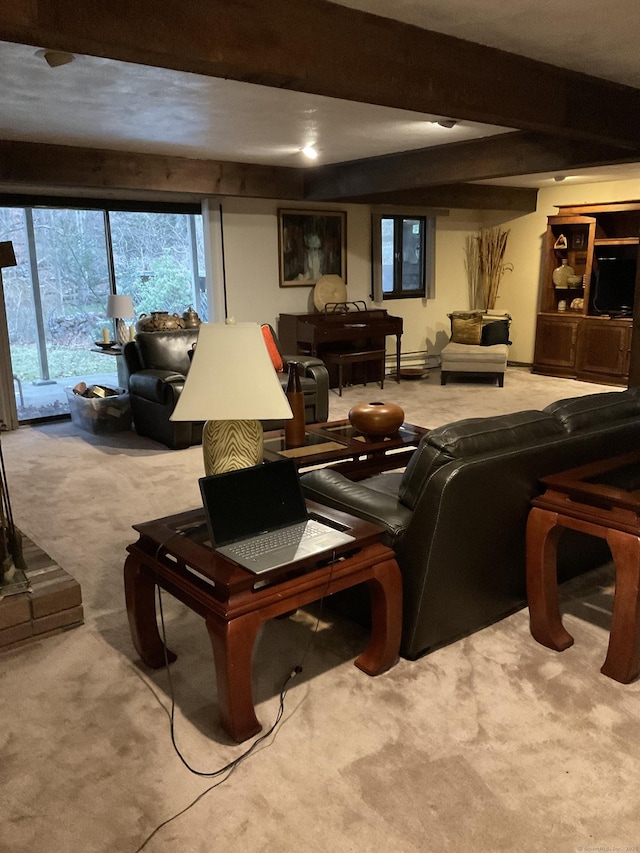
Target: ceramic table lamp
{"points": [[119, 308], [231, 385]]}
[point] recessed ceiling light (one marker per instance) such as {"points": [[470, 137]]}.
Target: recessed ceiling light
{"points": [[310, 152], [447, 122], [55, 58], [559, 178]]}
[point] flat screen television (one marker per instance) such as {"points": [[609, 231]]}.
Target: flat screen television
{"points": [[614, 282]]}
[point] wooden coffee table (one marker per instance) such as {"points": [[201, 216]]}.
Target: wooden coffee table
{"points": [[173, 553], [602, 499], [338, 441]]}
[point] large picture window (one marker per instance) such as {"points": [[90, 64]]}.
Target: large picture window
{"points": [[69, 259], [402, 256]]}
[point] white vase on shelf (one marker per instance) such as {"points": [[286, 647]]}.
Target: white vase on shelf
{"points": [[562, 273]]}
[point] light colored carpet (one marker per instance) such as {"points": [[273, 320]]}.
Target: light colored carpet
{"points": [[493, 743]]}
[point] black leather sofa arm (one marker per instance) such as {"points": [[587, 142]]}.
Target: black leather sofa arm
{"points": [[328, 487], [157, 386]]}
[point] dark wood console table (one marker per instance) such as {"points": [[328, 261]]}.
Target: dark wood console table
{"points": [[173, 553], [601, 499]]}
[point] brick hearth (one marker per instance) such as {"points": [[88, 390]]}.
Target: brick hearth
{"points": [[53, 603]]}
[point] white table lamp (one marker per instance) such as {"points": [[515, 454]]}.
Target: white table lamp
{"points": [[231, 385], [119, 307]]}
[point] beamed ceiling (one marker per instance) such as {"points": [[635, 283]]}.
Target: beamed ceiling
{"points": [[191, 98]]}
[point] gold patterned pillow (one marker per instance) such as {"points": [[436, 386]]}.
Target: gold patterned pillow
{"points": [[466, 331]]}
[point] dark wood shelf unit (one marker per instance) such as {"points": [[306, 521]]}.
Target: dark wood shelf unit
{"points": [[581, 342]]}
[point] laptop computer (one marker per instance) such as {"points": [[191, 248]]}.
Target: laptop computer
{"points": [[258, 517]]}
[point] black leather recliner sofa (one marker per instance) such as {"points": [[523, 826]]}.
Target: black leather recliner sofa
{"points": [[457, 515], [158, 363]]}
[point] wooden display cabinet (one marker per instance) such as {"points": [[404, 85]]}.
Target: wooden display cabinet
{"points": [[589, 340]]}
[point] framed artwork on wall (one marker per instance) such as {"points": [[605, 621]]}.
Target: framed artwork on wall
{"points": [[311, 243]]}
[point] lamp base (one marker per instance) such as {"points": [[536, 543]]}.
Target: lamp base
{"points": [[122, 332], [229, 445]]}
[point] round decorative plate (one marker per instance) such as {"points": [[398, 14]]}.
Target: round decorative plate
{"points": [[329, 288]]}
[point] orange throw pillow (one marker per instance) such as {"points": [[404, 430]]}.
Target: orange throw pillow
{"points": [[274, 352]]}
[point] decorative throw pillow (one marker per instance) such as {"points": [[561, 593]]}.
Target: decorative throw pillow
{"points": [[272, 347], [466, 331], [464, 315], [496, 332]]}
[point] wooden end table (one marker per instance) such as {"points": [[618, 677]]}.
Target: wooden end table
{"points": [[602, 499], [339, 442], [173, 553]]}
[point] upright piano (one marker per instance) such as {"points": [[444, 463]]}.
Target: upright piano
{"points": [[360, 330]]}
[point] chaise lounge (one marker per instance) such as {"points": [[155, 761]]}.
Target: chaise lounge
{"points": [[479, 346]]}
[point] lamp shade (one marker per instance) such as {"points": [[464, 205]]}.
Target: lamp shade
{"points": [[120, 306], [231, 377]]}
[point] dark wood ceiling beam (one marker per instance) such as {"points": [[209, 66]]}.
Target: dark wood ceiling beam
{"points": [[32, 164], [465, 196], [318, 47], [492, 157]]}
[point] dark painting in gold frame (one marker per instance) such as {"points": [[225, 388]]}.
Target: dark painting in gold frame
{"points": [[312, 243]]}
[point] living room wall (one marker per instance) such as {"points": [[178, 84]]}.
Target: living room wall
{"points": [[251, 270], [251, 264]]}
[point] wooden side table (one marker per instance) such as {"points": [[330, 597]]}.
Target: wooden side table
{"points": [[173, 553], [601, 499]]}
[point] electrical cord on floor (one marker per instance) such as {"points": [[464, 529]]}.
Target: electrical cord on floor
{"points": [[226, 771]]}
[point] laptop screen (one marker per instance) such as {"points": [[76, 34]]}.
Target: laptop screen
{"points": [[252, 500]]}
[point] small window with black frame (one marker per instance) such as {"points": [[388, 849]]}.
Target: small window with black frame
{"points": [[402, 256]]}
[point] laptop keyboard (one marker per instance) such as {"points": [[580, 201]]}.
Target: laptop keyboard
{"points": [[288, 536]]}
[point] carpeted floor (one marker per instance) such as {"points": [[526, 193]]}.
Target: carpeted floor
{"points": [[491, 744]]}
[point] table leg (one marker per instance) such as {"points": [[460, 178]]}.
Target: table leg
{"points": [[382, 650], [232, 643], [623, 654], [140, 589], [542, 580]]}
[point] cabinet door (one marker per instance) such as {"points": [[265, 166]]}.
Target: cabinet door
{"points": [[556, 345], [603, 350]]}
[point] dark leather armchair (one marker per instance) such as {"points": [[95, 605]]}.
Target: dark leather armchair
{"points": [[158, 363]]}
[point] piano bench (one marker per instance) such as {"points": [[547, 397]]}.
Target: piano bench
{"points": [[342, 358]]}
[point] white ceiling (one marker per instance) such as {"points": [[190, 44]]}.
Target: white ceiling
{"points": [[116, 105], [105, 103]]}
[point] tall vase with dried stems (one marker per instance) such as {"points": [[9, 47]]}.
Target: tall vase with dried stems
{"points": [[485, 266]]}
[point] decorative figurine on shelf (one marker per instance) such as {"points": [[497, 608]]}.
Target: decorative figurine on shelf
{"points": [[561, 242]]}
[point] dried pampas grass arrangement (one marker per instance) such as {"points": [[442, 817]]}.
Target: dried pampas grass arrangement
{"points": [[485, 266]]}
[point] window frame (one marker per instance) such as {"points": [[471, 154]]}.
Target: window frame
{"points": [[427, 289]]}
